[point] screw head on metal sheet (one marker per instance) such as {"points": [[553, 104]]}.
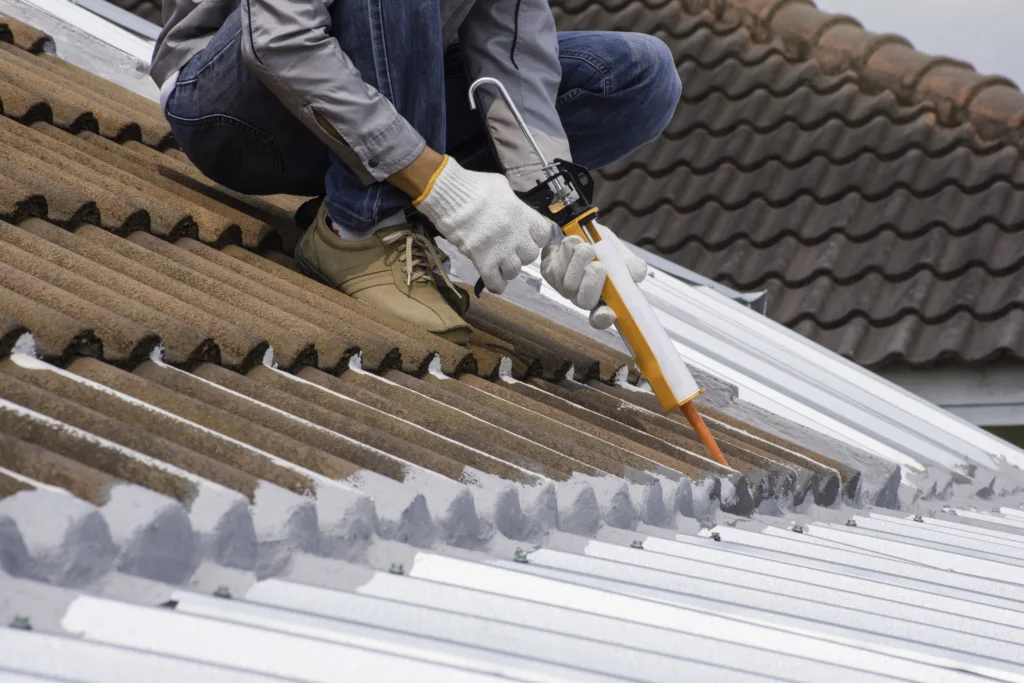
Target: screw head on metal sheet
{"points": [[851, 522], [715, 536], [798, 528], [639, 545], [21, 622], [918, 518], [521, 557], [222, 592], [396, 568]]}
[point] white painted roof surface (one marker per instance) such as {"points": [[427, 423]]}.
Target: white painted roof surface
{"points": [[593, 611]]}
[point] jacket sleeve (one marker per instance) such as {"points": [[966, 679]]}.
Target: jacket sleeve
{"points": [[515, 41], [289, 46]]}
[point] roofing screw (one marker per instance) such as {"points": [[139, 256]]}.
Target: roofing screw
{"points": [[798, 528], [639, 545], [521, 557], [21, 622], [396, 568], [918, 518], [222, 592], [715, 536], [851, 522]]}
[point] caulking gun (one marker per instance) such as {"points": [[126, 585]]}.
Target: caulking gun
{"points": [[565, 197]]}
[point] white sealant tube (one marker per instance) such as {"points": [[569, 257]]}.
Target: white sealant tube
{"points": [[673, 369]]}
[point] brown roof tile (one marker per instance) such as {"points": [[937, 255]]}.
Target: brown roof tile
{"points": [[168, 426], [410, 451], [369, 334], [61, 268], [9, 485], [47, 467], [630, 436], [319, 390], [217, 299], [28, 388], [513, 413], [81, 445], [551, 343], [28, 38], [58, 337], [272, 217], [378, 351], [17, 147], [219, 419], [238, 347], [10, 332], [112, 120], [172, 209], [242, 404], [461, 427], [454, 359], [124, 341]]}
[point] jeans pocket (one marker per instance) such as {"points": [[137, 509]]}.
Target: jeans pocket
{"points": [[231, 152]]}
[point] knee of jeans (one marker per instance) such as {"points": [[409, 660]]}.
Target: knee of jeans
{"points": [[658, 78]]}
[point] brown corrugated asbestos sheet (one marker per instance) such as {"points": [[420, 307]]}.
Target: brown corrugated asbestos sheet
{"points": [[170, 323], [876, 192]]}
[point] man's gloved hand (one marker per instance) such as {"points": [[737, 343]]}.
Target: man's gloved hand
{"points": [[570, 268], [485, 220]]}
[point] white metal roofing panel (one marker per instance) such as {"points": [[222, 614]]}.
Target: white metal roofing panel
{"points": [[65, 658], [597, 601], [789, 615], [358, 633], [1014, 522], [907, 524], [981, 589], [452, 635], [531, 634], [725, 649], [252, 648], [939, 559], [846, 580], [762, 585]]}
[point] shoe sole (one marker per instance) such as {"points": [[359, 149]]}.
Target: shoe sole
{"points": [[307, 269]]}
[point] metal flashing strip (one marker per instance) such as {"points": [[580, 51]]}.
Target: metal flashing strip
{"points": [[121, 17], [98, 27]]}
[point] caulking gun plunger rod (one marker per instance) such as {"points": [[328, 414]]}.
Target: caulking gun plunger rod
{"points": [[564, 196]]}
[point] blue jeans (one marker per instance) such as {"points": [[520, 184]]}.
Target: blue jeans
{"points": [[618, 92]]}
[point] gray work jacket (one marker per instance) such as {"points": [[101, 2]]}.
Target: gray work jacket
{"points": [[289, 46]]}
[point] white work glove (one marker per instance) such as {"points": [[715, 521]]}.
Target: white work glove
{"points": [[570, 268], [481, 215]]}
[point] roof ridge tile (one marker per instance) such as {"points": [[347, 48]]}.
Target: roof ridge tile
{"points": [[883, 62]]}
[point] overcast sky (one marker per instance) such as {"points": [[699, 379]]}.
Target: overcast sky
{"points": [[982, 32]]}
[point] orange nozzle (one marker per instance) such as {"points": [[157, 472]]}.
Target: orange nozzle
{"points": [[693, 417]]}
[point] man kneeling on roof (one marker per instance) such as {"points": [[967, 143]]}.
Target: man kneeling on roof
{"points": [[365, 103]]}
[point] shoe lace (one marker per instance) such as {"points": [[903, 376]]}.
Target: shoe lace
{"points": [[419, 254]]}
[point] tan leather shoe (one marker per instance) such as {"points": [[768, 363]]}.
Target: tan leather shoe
{"points": [[394, 270]]}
